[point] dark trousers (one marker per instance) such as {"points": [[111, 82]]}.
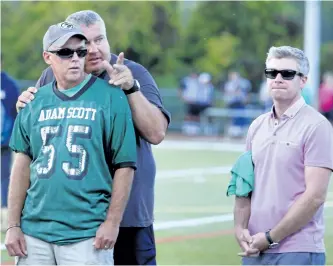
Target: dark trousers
{"points": [[135, 246]]}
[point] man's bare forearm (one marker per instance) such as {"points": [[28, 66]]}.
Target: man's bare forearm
{"points": [[19, 184], [148, 119], [121, 188], [242, 212], [299, 215]]}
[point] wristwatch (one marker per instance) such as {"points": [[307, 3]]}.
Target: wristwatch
{"points": [[136, 87], [272, 244]]}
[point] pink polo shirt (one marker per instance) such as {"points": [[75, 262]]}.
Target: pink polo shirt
{"points": [[280, 152]]}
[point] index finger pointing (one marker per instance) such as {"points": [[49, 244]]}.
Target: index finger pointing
{"points": [[120, 60]]}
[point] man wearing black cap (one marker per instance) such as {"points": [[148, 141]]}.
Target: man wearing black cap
{"points": [[73, 147]]}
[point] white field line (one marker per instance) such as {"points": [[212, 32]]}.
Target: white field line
{"points": [[170, 174], [193, 222]]}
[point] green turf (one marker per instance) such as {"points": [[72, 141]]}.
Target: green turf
{"points": [[206, 251], [184, 159], [193, 196], [195, 232]]}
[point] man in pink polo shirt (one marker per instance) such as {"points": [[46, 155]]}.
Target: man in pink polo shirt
{"points": [[292, 153]]}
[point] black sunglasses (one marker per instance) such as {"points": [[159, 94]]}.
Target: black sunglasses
{"points": [[286, 74], [69, 53]]}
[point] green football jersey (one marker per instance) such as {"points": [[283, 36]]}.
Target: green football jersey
{"points": [[75, 144]]}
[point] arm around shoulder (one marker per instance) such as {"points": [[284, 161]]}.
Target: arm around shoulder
{"points": [[28, 95]]}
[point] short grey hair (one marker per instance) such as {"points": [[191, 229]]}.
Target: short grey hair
{"points": [[85, 17], [290, 52]]}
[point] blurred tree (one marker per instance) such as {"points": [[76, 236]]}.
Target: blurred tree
{"points": [[148, 30], [237, 34], [220, 53], [170, 38]]}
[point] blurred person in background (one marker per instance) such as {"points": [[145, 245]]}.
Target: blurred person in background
{"points": [[326, 96], [206, 97], [292, 154], [9, 93], [136, 242], [206, 91], [189, 89], [236, 91], [197, 93]]}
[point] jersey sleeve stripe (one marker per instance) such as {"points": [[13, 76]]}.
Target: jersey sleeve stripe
{"points": [[125, 165]]}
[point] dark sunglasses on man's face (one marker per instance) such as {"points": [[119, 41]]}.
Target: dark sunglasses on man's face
{"points": [[69, 53], [286, 74]]}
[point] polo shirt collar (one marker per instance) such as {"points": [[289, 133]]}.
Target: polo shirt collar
{"points": [[292, 110]]}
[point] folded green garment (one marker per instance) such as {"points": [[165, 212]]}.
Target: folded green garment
{"points": [[242, 176]]}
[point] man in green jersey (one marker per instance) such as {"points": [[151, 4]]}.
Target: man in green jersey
{"points": [[75, 147]]}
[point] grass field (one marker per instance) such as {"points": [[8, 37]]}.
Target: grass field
{"points": [[193, 222]]}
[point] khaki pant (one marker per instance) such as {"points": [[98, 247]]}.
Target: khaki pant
{"points": [[81, 253]]}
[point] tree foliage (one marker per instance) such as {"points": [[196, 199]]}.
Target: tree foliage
{"points": [[147, 29], [167, 37], [237, 35]]}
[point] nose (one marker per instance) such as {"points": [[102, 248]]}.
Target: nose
{"points": [[75, 57], [278, 77], [92, 48]]}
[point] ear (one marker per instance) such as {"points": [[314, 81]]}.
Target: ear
{"points": [[303, 81], [47, 58]]}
